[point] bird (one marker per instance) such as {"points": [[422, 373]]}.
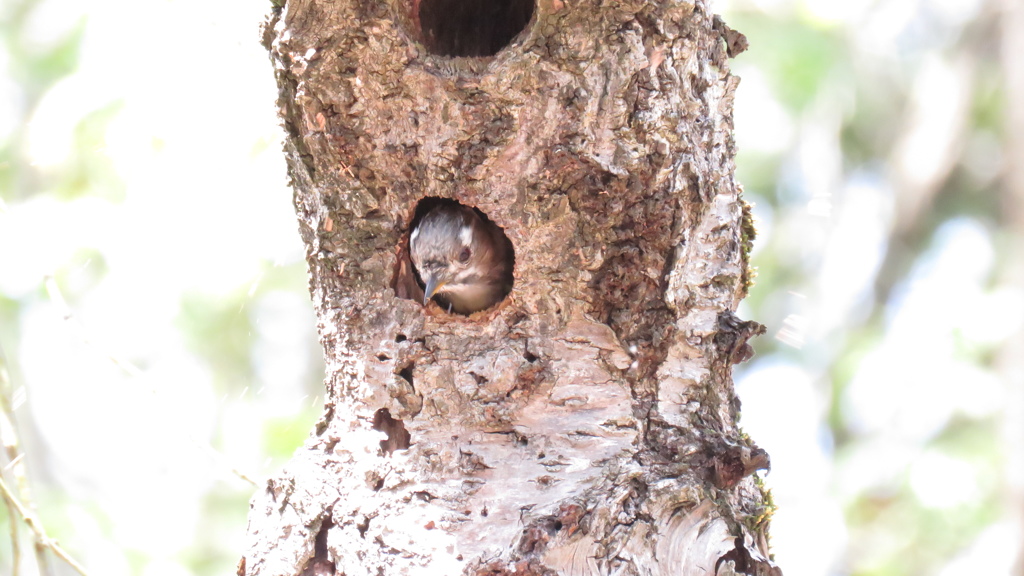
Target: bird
{"points": [[464, 261]]}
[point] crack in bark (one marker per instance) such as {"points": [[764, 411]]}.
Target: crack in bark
{"points": [[320, 563]]}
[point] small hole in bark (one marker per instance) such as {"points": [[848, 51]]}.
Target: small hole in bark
{"points": [[400, 338], [467, 260], [470, 27], [363, 526], [406, 372], [529, 357], [479, 379], [397, 436], [483, 512], [383, 357]]}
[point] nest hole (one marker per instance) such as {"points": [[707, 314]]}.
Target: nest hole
{"points": [[470, 27]]}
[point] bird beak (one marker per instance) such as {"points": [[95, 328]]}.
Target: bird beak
{"points": [[433, 285]]}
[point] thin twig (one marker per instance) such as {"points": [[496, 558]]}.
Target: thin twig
{"points": [[37, 529], [15, 545], [16, 467], [9, 439]]}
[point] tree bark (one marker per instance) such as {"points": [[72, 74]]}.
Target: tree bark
{"points": [[586, 424]]}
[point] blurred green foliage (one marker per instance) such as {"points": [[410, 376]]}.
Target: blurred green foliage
{"points": [[219, 331], [156, 396], [854, 85], [89, 171]]}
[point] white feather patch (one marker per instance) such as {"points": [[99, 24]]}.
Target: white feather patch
{"points": [[415, 233], [466, 235]]}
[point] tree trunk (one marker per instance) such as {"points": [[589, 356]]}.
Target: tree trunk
{"points": [[587, 423]]}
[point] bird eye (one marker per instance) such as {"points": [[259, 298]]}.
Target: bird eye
{"points": [[464, 255]]}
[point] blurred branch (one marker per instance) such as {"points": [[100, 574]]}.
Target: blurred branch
{"points": [[932, 142], [920, 182], [37, 529], [932, 139], [57, 297]]}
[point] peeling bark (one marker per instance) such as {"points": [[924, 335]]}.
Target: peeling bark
{"points": [[585, 425]]}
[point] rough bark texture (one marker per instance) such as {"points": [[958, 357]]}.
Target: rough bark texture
{"points": [[586, 425]]}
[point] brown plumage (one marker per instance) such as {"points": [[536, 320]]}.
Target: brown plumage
{"points": [[465, 262]]}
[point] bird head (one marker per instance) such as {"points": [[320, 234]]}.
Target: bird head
{"points": [[450, 250]]}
